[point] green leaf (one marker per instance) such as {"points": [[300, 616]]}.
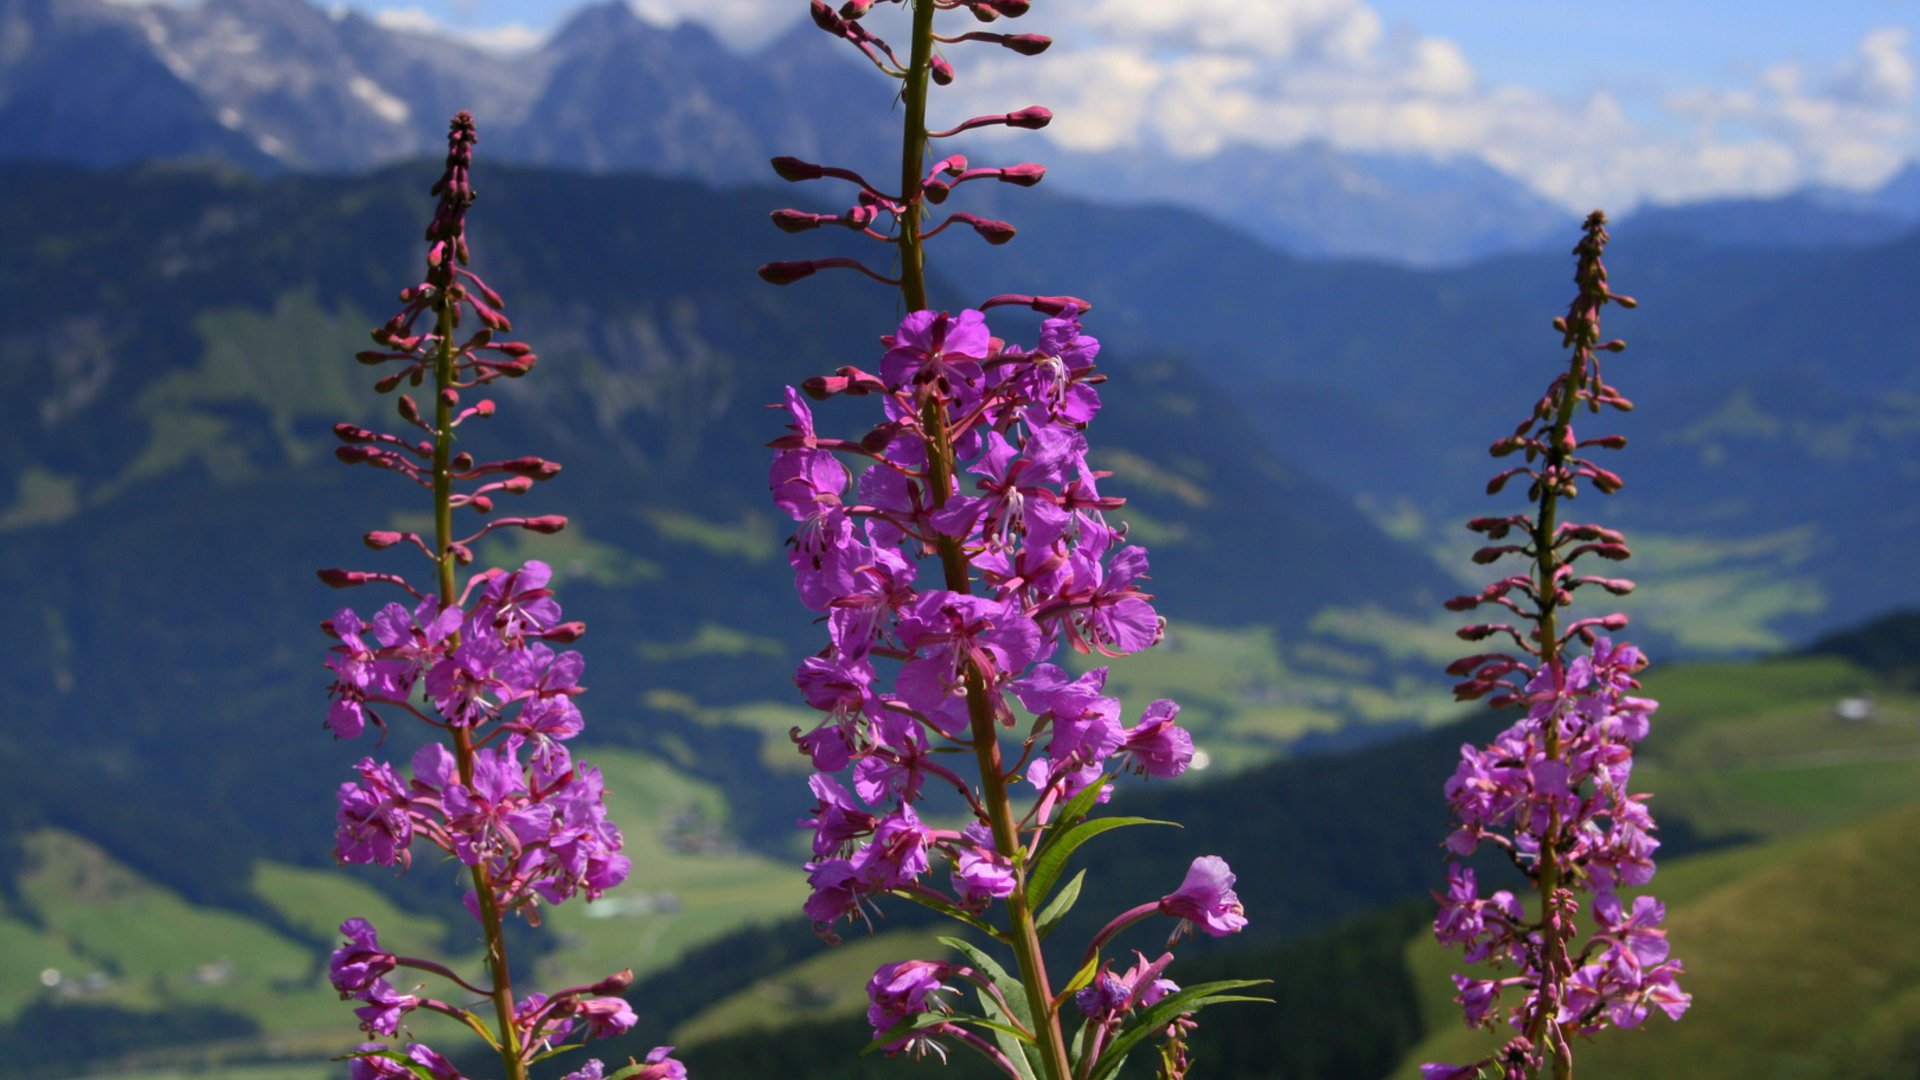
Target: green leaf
{"points": [[1061, 904], [943, 907], [557, 1051], [996, 1026], [1074, 812], [1053, 855], [1019, 1048], [1010, 988], [1084, 976], [905, 1028], [406, 1062], [1163, 1012], [630, 1071]]}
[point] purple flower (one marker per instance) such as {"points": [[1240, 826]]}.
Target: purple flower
{"points": [[901, 990], [939, 350], [374, 823], [384, 1008], [837, 889], [1159, 747], [1110, 996], [375, 1068], [518, 605], [607, 1016], [1206, 898], [837, 820], [661, 1067], [897, 854], [980, 874], [354, 966], [493, 816]]}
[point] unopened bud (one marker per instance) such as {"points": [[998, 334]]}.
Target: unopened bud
{"points": [[1025, 175], [825, 19], [548, 524], [1032, 118], [618, 982], [792, 168], [786, 273], [381, 538], [941, 70], [795, 221]]}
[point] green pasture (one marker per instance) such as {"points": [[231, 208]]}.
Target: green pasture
{"points": [[828, 986], [1800, 954], [1798, 939]]}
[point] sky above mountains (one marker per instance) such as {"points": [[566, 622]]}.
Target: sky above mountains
{"points": [[1634, 101]]}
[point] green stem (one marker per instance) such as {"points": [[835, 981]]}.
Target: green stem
{"points": [[1546, 589], [913, 155], [443, 378], [953, 561]]}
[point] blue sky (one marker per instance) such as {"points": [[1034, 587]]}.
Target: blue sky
{"points": [[1621, 102]]}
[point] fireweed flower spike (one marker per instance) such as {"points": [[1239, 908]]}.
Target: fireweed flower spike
{"points": [[978, 465], [1552, 791], [480, 663]]}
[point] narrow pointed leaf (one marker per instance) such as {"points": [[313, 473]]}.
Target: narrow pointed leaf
{"points": [[1053, 856], [1163, 1012], [403, 1060], [1082, 978], [905, 1028], [1057, 909], [1022, 1051], [955, 912], [1074, 812], [556, 1051]]}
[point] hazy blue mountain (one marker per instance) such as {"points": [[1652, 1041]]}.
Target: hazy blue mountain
{"points": [[1803, 220], [268, 84], [181, 344], [1314, 200]]}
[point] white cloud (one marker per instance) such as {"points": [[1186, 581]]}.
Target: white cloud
{"points": [[743, 24], [1197, 75], [1848, 127], [503, 38]]}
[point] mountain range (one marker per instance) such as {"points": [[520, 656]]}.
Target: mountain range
{"points": [[282, 84]]}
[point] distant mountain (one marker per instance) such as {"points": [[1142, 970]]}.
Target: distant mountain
{"points": [[270, 84], [181, 342], [1805, 220], [1316, 201], [1898, 197]]}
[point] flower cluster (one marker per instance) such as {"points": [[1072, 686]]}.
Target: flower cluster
{"points": [[1552, 792], [893, 683], [539, 827], [976, 469], [478, 664]]}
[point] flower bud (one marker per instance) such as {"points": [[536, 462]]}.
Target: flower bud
{"points": [[786, 273], [793, 169], [616, 983], [1031, 118]]}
